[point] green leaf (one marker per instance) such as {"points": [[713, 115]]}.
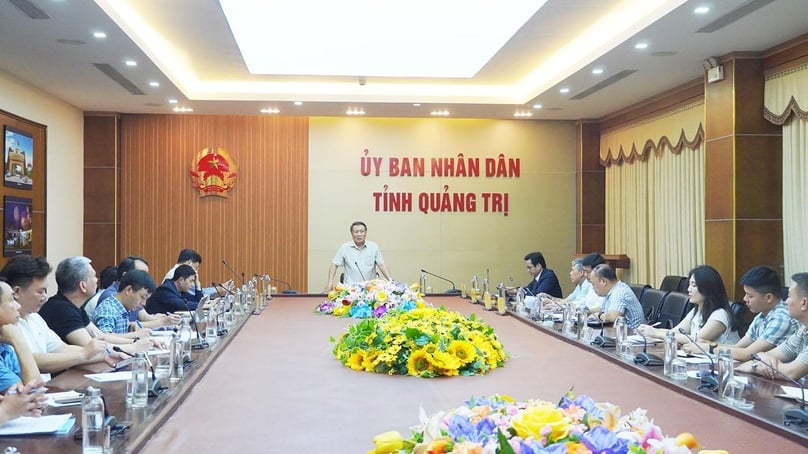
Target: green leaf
{"points": [[504, 446]]}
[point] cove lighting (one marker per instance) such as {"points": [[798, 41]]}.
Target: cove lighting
{"points": [[375, 39]]}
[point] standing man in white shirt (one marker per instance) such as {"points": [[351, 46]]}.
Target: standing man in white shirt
{"points": [[358, 258]]}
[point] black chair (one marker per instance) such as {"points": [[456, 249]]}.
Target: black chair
{"points": [[673, 309], [638, 289], [651, 300], [673, 283], [742, 316]]}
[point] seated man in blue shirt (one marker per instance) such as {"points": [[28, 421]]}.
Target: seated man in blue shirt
{"points": [[112, 314], [619, 299], [173, 296], [17, 365], [791, 357]]}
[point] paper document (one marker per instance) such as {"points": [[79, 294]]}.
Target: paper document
{"points": [[791, 392], [26, 425], [638, 340], [111, 376], [64, 399]]}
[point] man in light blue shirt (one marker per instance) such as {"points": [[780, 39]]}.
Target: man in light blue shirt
{"points": [[620, 300]]}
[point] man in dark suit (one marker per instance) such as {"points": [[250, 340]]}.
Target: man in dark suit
{"points": [[544, 279]]}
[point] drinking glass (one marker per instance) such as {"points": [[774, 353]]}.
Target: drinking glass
{"points": [[679, 369]]}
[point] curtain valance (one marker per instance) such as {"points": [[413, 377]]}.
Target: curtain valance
{"points": [[675, 130], [785, 93]]}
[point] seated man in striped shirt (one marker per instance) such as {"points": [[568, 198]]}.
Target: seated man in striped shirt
{"points": [[112, 314], [619, 299]]}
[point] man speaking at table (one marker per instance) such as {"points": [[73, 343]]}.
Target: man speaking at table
{"points": [[543, 280], [359, 258]]}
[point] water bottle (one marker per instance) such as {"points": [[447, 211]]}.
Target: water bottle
{"points": [[422, 283], [581, 321], [520, 301], [176, 361], [211, 325], [670, 352], [186, 334], [568, 320], [92, 422], [140, 381], [725, 373], [621, 331]]}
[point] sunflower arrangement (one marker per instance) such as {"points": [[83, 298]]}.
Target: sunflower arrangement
{"points": [[500, 424], [372, 298], [423, 342]]}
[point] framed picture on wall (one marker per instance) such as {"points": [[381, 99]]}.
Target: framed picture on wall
{"points": [[18, 164], [18, 223]]}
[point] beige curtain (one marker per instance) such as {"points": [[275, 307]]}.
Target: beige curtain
{"points": [[655, 195], [786, 104]]}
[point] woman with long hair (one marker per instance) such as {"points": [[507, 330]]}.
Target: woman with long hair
{"points": [[710, 320]]}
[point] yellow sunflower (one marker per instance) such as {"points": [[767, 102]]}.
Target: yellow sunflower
{"points": [[419, 362], [463, 351], [355, 361]]}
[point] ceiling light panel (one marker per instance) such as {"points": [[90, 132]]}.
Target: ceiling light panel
{"points": [[416, 38]]}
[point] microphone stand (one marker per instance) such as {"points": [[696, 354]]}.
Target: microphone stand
{"points": [[155, 388], [708, 382], [289, 290], [230, 268], [360, 271], [451, 291], [199, 344], [793, 416], [603, 340], [645, 358]]}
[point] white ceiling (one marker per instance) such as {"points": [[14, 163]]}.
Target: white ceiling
{"points": [[187, 46]]}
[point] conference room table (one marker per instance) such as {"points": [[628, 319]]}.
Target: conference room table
{"points": [[273, 386]]}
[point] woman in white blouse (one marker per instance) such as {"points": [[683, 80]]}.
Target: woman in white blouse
{"points": [[711, 319]]}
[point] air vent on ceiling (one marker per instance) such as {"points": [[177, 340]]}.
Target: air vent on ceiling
{"points": [[733, 16], [29, 9], [113, 74], [604, 83]]}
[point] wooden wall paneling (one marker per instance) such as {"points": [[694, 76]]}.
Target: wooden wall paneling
{"points": [[590, 213], [261, 227], [759, 188], [101, 189], [37, 193], [719, 184]]}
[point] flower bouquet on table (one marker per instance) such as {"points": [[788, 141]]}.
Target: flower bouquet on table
{"points": [[372, 298], [424, 342], [498, 424]]}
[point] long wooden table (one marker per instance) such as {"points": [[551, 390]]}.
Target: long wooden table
{"points": [[275, 387]]}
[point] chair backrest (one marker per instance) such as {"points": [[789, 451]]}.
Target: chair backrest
{"points": [[672, 283], [742, 316], [650, 300], [638, 289], [673, 309]]}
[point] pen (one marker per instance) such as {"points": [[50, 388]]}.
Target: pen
{"points": [[106, 346], [656, 324], [138, 324]]}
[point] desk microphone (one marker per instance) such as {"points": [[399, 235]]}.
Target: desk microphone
{"points": [[793, 416], [360, 271], [452, 290], [215, 285], [708, 382], [645, 358], [289, 290], [230, 268], [155, 388], [603, 340], [199, 344]]}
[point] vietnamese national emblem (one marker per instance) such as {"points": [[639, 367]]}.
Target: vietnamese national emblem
{"points": [[213, 172]]}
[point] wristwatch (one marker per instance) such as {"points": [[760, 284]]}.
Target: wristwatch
{"points": [[713, 345]]}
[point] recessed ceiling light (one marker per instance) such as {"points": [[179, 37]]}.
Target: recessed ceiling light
{"points": [[355, 111], [702, 10], [641, 46], [298, 103], [440, 113], [100, 35], [417, 104], [271, 110], [172, 101], [182, 109], [522, 113], [537, 106], [564, 90], [154, 83], [597, 71], [130, 63]]}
